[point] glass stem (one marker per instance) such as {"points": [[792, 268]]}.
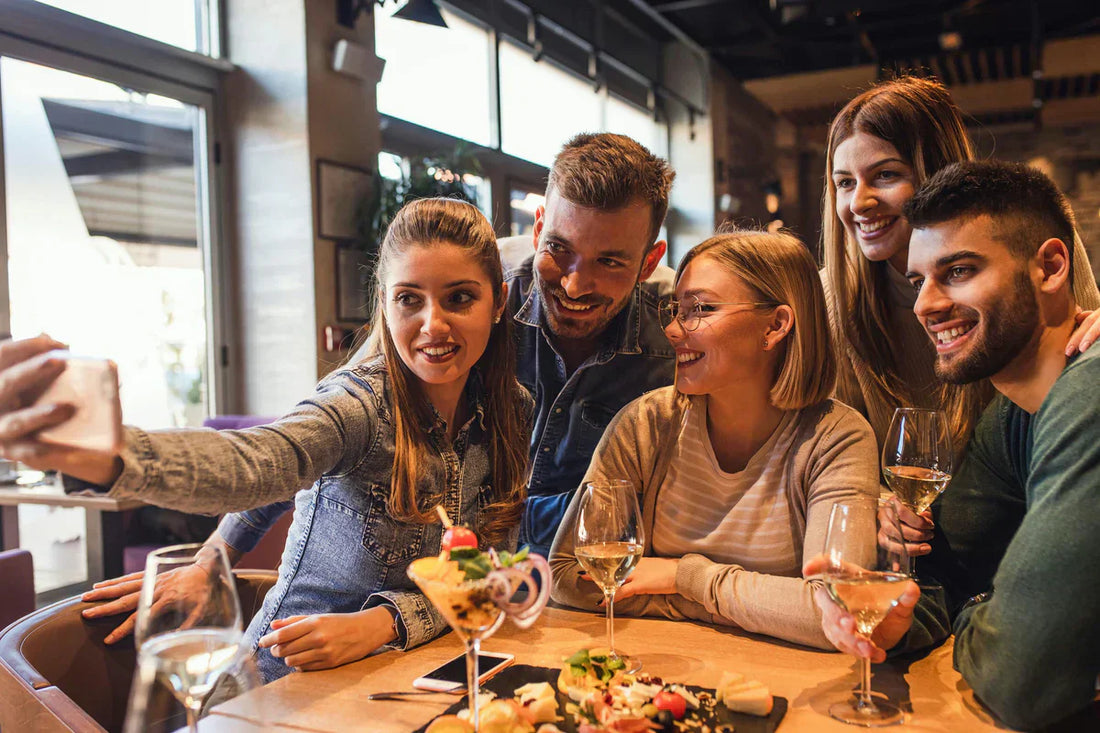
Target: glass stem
{"points": [[609, 596], [192, 719], [865, 702], [473, 646]]}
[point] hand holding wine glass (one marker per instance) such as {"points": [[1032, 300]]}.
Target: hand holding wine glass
{"points": [[190, 635], [865, 576], [608, 540], [917, 457]]}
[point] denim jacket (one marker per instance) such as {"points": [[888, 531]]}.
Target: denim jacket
{"points": [[572, 411], [335, 452]]}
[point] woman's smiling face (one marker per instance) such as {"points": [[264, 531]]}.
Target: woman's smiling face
{"points": [[872, 183], [726, 349], [440, 308]]}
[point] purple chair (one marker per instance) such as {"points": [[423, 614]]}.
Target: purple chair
{"points": [[17, 580], [266, 555]]}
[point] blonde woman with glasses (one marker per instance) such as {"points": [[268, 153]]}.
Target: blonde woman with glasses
{"points": [[737, 464]]}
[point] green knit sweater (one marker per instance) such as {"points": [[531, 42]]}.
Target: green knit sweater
{"points": [[1022, 516]]}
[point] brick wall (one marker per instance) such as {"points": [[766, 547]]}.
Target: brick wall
{"points": [[1070, 156]]}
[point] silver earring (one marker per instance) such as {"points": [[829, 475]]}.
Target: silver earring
{"points": [[766, 344], [496, 319]]}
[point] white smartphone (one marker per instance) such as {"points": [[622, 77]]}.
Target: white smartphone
{"points": [[91, 386], [451, 676]]}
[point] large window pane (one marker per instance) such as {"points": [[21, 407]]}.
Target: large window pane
{"points": [[105, 249], [626, 119], [436, 77], [524, 202], [182, 23], [541, 106]]}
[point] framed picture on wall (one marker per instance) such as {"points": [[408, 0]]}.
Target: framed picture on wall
{"points": [[341, 191], [353, 278]]}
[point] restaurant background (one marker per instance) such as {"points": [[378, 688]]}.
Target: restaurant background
{"points": [[160, 188]]}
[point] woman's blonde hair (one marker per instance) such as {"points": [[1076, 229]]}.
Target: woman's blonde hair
{"points": [[780, 270], [918, 117], [428, 223]]}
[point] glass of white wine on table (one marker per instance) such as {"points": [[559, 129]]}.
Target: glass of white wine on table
{"points": [[917, 458], [188, 637], [865, 577], [608, 539]]}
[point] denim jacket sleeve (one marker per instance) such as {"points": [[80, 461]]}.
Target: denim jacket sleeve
{"points": [[211, 471], [418, 621], [243, 530]]}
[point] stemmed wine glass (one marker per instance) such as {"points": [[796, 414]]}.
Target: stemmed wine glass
{"points": [[916, 458], [188, 629], [608, 539], [866, 574], [475, 609]]}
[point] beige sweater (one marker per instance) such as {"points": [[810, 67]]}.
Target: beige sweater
{"points": [[854, 386], [829, 455]]}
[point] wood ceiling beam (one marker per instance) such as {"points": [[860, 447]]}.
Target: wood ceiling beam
{"points": [[813, 89], [678, 5], [1071, 56]]}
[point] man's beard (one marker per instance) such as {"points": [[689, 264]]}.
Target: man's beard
{"points": [[1007, 328], [569, 328]]}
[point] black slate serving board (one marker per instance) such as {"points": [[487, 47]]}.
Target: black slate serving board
{"points": [[505, 683]]}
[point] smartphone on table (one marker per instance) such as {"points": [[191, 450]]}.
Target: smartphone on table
{"points": [[91, 387], [451, 676]]}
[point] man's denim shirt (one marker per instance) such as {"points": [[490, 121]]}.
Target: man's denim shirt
{"points": [[572, 411], [344, 552]]}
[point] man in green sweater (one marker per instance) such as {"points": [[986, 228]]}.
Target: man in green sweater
{"points": [[990, 256]]}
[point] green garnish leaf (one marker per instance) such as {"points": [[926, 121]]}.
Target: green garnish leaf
{"points": [[578, 659], [464, 553], [476, 567], [521, 555], [616, 664]]}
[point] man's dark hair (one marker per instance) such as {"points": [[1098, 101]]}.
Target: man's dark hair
{"points": [[1026, 207], [607, 171]]}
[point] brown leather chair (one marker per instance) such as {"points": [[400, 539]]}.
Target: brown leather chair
{"points": [[57, 674], [17, 580]]}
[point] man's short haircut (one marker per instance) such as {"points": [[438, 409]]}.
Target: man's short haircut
{"points": [[607, 172], [1026, 207]]}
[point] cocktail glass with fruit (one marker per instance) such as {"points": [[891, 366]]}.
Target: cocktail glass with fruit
{"points": [[474, 591]]}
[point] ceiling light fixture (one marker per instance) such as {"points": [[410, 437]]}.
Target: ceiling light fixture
{"points": [[418, 11]]}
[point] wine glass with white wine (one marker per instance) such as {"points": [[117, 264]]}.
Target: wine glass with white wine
{"points": [[865, 577], [188, 627], [608, 539], [917, 458]]}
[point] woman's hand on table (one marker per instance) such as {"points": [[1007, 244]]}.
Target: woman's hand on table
{"points": [[840, 626], [327, 640], [651, 576], [1086, 332], [918, 529], [27, 369], [123, 593]]}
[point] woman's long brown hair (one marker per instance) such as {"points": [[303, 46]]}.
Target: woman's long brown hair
{"points": [[427, 223], [919, 118]]}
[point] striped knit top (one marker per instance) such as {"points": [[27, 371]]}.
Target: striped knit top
{"points": [[742, 518]]}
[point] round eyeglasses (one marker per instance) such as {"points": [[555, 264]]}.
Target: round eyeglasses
{"points": [[691, 311]]}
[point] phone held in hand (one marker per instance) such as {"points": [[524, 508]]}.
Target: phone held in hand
{"points": [[451, 676], [91, 386]]}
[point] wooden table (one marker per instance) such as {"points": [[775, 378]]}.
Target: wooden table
{"points": [[103, 544], [336, 700]]}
